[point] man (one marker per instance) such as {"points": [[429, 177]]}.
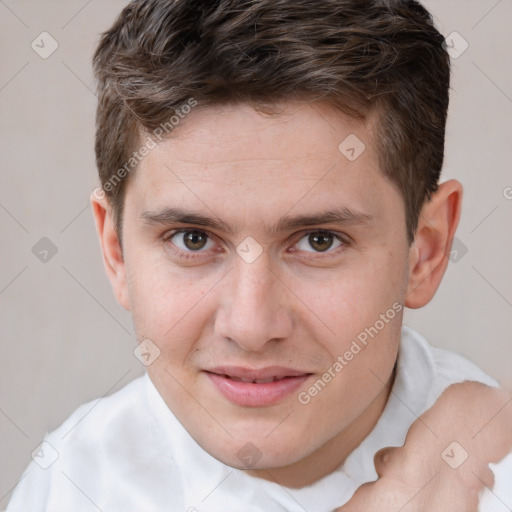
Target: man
{"points": [[270, 203]]}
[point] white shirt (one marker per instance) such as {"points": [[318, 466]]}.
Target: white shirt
{"points": [[128, 453]]}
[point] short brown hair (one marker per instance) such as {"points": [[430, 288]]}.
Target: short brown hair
{"points": [[356, 55]]}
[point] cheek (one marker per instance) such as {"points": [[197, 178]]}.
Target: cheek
{"points": [[362, 307], [164, 301], [351, 299]]}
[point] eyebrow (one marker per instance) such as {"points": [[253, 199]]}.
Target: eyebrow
{"points": [[343, 216]]}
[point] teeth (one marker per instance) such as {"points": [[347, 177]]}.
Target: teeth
{"points": [[254, 381]]}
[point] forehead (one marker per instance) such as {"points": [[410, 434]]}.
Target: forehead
{"points": [[302, 157], [293, 131]]}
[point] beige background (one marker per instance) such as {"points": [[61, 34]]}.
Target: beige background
{"points": [[64, 340]]}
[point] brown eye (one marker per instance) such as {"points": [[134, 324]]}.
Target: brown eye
{"points": [[191, 240], [319, 241], [194, 240]]}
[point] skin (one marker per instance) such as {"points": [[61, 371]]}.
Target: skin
{"points": [[414, 477], [292, 306]]}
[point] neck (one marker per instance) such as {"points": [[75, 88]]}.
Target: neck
{"points": [[332, 454]]}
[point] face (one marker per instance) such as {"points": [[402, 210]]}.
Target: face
{"points": [[257, 258]]}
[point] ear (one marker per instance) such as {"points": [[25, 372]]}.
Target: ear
{"points": [[110, 246], [430, 251]]}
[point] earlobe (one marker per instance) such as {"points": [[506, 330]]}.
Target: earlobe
{"points": [[111, 248], [428, 256]]}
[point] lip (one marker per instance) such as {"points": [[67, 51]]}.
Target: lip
{"points": [[278, 383]]}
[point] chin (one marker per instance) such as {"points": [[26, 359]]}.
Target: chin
{"points": [[256, 454]]}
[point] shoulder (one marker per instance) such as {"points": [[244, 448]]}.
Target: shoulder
{"points": [[436, 368], [84, 449], [90, 422], [105, 407]]}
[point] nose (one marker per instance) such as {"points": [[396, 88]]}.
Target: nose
{"points": [[254, 309]]}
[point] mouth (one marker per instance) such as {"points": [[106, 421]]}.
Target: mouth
{"points": [[254, 381], [256, 387]]}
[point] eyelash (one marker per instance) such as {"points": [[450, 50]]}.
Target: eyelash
{"points": [[183, 255], [329, 253]]}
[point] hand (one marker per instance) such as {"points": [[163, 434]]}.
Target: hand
{"points": [[416, 478]]}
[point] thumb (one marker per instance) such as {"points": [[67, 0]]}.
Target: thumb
{"points": [[387, 459]]}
